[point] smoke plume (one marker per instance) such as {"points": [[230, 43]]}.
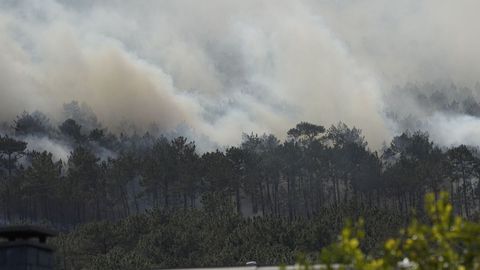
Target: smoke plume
{"points": [[227, 67]]}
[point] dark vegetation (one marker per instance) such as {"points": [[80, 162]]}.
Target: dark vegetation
{"points": [[129, 201], [442, 240]]}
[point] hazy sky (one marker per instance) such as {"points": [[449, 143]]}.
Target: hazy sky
{"points": [[226, 67]]}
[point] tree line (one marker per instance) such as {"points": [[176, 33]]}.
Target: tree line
{"points": [[129, 200], [314, 168]]}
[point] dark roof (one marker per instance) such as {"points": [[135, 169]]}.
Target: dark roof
{"points": [[24, 243], [25, 231]]}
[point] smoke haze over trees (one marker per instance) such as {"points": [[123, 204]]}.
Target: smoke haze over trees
{"points": [[147, 193], [180, 129], [226, 67]]}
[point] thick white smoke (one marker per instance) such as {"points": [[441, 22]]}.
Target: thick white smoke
{"points": [[59, 150], [454, 129], [227, 67]]}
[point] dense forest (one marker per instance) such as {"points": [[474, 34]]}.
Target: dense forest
{"points": [[126, 200], [178, 134]]}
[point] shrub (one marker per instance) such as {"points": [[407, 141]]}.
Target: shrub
{"points": [[444, 241]]}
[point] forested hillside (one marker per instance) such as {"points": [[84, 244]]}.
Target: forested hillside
{"points": [[212, 133], [145, 199]]}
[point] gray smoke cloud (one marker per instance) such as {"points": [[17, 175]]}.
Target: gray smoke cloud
{"points": [[225, 67]]}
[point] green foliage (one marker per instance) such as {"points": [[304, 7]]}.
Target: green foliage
{"points": [[212, 236], [445, 241], [10, 152], [118, 258], [150, 200], [35, 123], [305, 131], [72, 130]]}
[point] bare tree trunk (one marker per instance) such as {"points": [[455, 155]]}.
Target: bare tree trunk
{"points": [[135, 200], [165, 184], [237, 200], [262, 201], [124, 198], [465, 200], [289, 199]]}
